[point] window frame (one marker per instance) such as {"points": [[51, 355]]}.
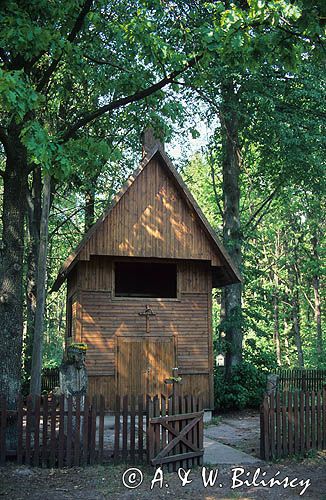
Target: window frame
{"points": [[148, 299], [71, 317]]}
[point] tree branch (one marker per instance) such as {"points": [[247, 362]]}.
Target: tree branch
{"points": [[104, 62], [264, 203], [202, 94], [67, 219], [217, 200], [123, 101], [71, 37]]}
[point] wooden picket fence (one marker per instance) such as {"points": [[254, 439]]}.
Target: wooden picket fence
{"points": [[292, 423], [175, 432], [65, 432], [301, 379], [50, 379]]}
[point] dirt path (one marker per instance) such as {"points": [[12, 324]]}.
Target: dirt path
{"points": [[105, 482], [240, 430]]}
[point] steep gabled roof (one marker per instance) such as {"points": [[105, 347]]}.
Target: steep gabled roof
{"points": [[225, 274]]}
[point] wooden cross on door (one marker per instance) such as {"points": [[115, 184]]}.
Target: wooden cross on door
{"points": [[147, 313]]}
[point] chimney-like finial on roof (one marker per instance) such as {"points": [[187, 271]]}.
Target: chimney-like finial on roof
{"points": [[149, 140]]}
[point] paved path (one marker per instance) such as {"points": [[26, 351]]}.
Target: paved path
{"points": [[217, 453], [239, 432], [222, 441]]}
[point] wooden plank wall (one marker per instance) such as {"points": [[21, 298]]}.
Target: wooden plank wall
{"points": [[104, 318], [151, 220]]}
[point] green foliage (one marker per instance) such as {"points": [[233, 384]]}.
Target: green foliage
{"points": [[50, 80], [17, 95], [259, 351], [244, 389], [280, 118]]}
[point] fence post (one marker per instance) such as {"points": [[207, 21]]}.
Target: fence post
{"points": [[140, 426], [200, 430], [101, 429], [264, 429], [20, 418], [3, 424], [319, 422], [61, 443], [150, 433], [125, 403], [262, 432], [69, 431], [29, 419], [132, 428], [92, 434], [302, 422], [85, 430], [76, 431], [117, 430], [37, 409]]}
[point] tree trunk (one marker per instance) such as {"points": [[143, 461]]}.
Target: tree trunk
{"points": [[89, 207], [296, 327], [34, 203], [231, 224], [286, 342], [317, 305], [287, 326], [35, 387], [295, 309], [276, 336], [11, 293]]}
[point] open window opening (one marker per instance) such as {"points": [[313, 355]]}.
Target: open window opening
{"points": [[138, 279]]}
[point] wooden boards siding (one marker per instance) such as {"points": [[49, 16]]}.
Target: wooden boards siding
{"points": [[105, 321], [151, 220], [96, 274], [104, 385]]}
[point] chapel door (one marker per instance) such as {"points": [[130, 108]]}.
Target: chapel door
{"points": [[143, 364]]}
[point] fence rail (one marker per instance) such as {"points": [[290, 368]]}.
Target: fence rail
{"points": [[54, 431], [292, 423], [175, 433], [301, 379]]}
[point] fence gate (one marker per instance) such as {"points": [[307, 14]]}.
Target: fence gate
{"points": [[175, 433]]}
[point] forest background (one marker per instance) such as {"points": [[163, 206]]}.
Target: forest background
{"points": [[80, 80]]}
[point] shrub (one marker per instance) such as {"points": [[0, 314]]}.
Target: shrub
{"points": [[245, 388]]}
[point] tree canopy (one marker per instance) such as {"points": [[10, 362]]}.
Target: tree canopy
{"points": [[79, 81]]}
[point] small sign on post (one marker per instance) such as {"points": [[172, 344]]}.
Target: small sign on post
{"points": [[220, 360]]}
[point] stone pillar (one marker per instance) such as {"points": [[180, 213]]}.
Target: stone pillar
{"points": [[272, 382], [73, 376], [73, 373]]}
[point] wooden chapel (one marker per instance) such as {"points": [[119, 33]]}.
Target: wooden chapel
{"points": [[139, 287]]}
